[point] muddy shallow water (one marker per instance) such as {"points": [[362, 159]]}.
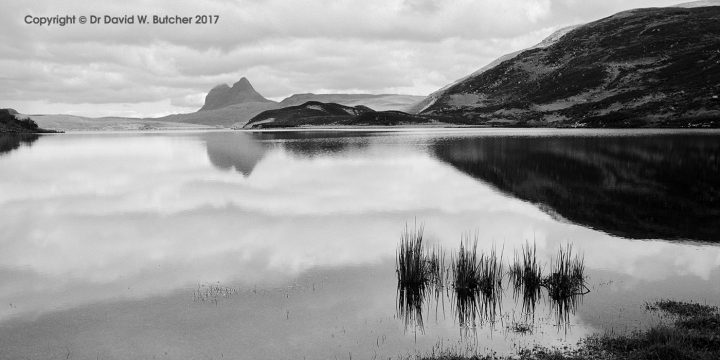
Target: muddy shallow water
{"points": [[281, 245]]}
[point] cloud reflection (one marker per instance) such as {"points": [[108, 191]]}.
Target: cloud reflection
{"points": [[98, 217]]}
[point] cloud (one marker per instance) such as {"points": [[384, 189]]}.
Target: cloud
{"points": [[409, 46]]}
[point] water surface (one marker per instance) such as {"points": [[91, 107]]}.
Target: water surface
{"points": [[281, 245]]}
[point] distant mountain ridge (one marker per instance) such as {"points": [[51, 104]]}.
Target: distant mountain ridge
{"points": [[233, 107], [643, 67]]}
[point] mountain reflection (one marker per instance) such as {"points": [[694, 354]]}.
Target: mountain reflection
{"points": [[10, 142], [632, 186], [238, 151], [242, 151]]}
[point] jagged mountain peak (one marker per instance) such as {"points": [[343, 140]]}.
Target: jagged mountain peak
{"points": [[223, 95], [243, 83]]}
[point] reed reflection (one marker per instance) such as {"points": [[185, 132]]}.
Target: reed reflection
{"points": [[477, 281]]}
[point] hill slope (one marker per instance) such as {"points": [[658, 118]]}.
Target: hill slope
{"points": [[644, 67], [10, 123], [430, 99], [314, 113]]}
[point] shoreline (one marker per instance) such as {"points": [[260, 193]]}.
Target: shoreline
{"points": [[400, 128]]}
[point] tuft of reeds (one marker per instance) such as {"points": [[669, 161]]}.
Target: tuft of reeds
{"points": [[491, 277], [466, 273], [435, 267], [412, 267], [491, 273], [465, 266], [566, 284], [567, 275], [476, 278], [419, 271], [526, 278]]}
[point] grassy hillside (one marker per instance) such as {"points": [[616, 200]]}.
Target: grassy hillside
{"points": [[645, 67]]}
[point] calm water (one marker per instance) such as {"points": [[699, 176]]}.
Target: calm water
{"points": [[281, 245]]}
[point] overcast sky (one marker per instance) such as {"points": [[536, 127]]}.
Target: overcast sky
{"points": [[282, 47]]}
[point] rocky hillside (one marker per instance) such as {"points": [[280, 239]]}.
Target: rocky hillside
{"points": [[314, 113], [224, 95], [644, 67]]}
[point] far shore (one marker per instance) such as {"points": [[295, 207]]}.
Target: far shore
{"points": [[405, 128]]}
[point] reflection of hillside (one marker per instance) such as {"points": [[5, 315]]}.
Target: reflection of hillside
{"points": [[314, 143], [637, 187], [10, 142], [237, 150]]}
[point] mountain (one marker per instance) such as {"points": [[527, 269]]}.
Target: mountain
{"points": [[314, 113], [11, 123], [645, 67], [223, 95], [234, 106]]}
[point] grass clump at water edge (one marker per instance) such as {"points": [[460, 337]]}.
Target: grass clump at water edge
{"points": [[470, 273], [566, 278]]}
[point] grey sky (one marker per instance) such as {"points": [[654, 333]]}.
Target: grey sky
{"points": [[283, 47]]}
